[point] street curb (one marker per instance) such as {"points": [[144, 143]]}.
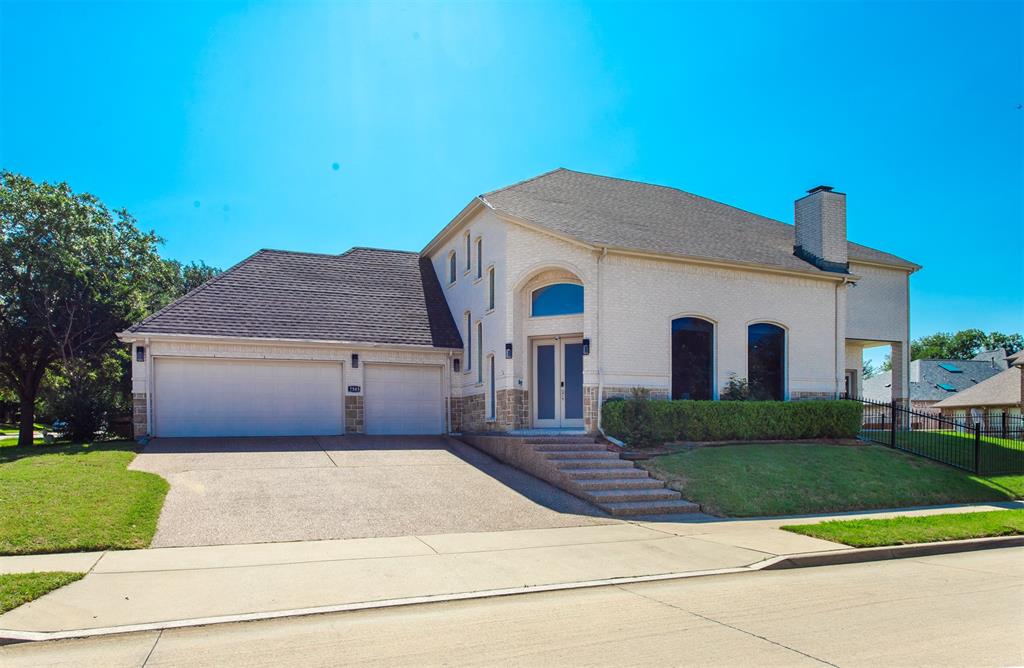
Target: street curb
{"points": [[781, 562], [859, 555]]}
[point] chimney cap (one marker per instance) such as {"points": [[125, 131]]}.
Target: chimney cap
{"points": [[819, 189]]}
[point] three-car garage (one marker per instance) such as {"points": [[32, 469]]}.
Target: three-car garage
{"points": [[204, 396]]}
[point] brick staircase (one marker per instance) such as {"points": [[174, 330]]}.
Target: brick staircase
{"points": [[585, 468]]}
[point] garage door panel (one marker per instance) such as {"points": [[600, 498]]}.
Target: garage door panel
{"points": [[403, 399], [216, 397]]}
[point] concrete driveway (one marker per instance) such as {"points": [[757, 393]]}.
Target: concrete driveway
{"points": [[254, 490]]}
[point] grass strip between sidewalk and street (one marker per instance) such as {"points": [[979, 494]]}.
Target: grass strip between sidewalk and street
{"points": [[920, 529], [19, 588]]}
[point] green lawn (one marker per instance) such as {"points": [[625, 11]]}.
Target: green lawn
{"points": [[926, 529], [957, 448], [794, 479], [19, 588], [76, 497]]}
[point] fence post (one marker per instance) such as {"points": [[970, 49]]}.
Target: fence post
{"points": [[1006, 414], [892, 424], [977, 448]]}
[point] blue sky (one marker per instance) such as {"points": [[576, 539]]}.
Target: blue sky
{"points": [[219, 124]]}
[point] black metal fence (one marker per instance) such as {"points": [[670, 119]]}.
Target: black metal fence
{"points": [[975, 442]]}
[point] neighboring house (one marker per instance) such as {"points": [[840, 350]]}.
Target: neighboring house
{"points": [[932, 380], [533, 305], [991, 399]]}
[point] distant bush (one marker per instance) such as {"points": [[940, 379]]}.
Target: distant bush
{"points": [[728, 420]]}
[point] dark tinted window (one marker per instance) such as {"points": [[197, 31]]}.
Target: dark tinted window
{"points": [[692, 358], [766, 361], [558, 299]]}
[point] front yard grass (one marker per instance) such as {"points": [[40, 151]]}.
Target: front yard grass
{"points": [[76, 497], [923, 529], [19, 588], [796, 479]]}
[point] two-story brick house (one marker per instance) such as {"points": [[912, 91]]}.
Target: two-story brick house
{"points": [[527, 310]]}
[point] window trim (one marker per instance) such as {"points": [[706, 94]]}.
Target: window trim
{"points": [[453, 264], [469, 254], [558, 282], [480, 352], [478, 246], [785, 353]]}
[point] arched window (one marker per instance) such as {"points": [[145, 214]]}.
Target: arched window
{"points": [[479, 257], [557, 299], [451, 267], [469, 342], [490, 288], [469, 256], [693, 358], [766, 361]]}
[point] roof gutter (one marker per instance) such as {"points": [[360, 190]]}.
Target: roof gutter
{"points": [[130, 337]]}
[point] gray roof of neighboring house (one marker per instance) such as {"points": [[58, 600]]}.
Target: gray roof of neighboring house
{"points": [[999, 390], [363, 295], [605, 211], [927, 375]]}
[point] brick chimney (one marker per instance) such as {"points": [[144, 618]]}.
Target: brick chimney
{"points": [[820, 218]]}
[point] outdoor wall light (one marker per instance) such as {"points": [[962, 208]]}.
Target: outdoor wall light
{"points": [[508, 351], [355, 360], [586, 346], [140, 353]]}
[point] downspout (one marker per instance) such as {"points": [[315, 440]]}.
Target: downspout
{"points": [[597, 324]]}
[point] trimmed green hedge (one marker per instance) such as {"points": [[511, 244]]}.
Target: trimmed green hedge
{"points": [[736, 420]]}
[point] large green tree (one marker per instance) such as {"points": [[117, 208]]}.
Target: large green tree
{"points": [[962, 345], [72, 274]]}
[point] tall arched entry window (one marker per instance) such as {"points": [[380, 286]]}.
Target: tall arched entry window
{"points": [[693, 358], [766, 361]]}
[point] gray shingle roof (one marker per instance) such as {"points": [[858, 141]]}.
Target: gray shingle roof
{"points": [[364, 295], [606, 211], [926, 375], [999, 390]]}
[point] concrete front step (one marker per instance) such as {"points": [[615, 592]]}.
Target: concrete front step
{"points": [[581, 463], [650, 507], [580, 454], [541, 440], [606, 473], [552, 447], [605, 496], [590, 485]]}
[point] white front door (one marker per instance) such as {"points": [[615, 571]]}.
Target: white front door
{"points": [[558, 382]]}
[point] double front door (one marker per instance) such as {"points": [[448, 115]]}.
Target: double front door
{"points": [[558, 382]]}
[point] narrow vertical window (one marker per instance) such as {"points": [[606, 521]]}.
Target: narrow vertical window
{"points": [[490, 288], [693, 358], [469, 256], [479, 352], [469, 341], [766, 361], [479, 258], [491, 401], [451, 268]]}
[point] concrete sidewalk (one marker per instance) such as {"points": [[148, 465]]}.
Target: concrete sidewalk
{"points": [[172, 587]]}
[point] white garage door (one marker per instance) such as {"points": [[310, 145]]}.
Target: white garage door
{"points": [[217, 397], [403, 399]]}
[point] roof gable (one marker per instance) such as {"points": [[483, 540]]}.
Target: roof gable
{"points": [[364, 295]]}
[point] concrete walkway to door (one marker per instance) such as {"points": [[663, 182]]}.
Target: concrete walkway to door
{"points": [[228, 491]]}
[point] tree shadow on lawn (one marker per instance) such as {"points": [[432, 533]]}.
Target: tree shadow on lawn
{"points": [[10, 453]]}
